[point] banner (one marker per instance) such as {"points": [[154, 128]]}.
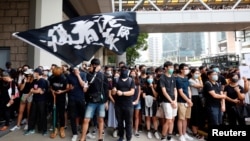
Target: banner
{"points": [[78, 39]]}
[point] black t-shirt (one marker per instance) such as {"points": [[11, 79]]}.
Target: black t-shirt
{"points": [[204, 78], [43, 84], [59, 83], [27, 87], [232, 94], [209, 86], [124, 101], [222, 80], [77, 92], [169, 83]]}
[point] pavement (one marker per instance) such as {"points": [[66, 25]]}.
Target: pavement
{"points": [[18, 136]]}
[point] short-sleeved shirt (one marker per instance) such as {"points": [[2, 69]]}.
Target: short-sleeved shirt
{"points": [[124, 101], [169, 83], [59, 83], [43, 84], [182, 83], [77, 92], [194, 91], [211, 101], [232, 94]]}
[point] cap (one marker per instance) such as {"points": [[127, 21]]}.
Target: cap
{"points": [[39, 71], [5, 74], [28, 71], [46, 68], [95, 61]]}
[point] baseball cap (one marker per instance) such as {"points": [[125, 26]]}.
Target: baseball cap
{"points": [[39, 71]]}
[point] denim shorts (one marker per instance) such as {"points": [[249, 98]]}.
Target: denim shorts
{"points": [[95, 108], [137, 106]]}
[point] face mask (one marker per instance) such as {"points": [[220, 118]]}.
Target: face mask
{"points": [[215, 77], [124, 74], [109, 73], [186, 72], [216, 70], [150, 80], [158, 75], [171, 71], [234, 80], [196, 76]]}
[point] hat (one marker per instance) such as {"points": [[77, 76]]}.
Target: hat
{"points": [[39, 71], [5, 74], [46, 68], [95, 61], [28, 71]]}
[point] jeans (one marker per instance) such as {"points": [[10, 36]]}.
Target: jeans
{"points": [[214, 114], [76, 109], [38, 113], [124, 114]]}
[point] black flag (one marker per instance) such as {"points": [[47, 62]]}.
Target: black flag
{"points": [[78, 39]]}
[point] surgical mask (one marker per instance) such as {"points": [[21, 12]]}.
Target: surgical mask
{"points": [[196, 76], [150, 80], [215, 77], [109, 73], [171, 71], [216, 70], [124, 74], [186, 72]]}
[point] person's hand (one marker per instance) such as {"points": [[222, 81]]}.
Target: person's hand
{"points": [[174, 104], [119, 93], [236, 100], [190, 103], [58, 92]]}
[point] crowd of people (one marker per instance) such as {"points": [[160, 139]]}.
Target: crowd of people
{"points": [[162, 101]]}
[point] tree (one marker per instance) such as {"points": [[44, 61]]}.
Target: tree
{"points": [[132, 52]]}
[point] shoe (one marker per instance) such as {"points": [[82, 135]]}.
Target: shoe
{"points": [[115, 133], [74, 138], [100, 139], [103, 133], [90, 136], [94, 131], [163, 139], [15, 128], [4, 128], [45, 133], [53, 134], [137, 134], [29, 132], [188, 137], [24, 121], [182, 138], [62, 132], [157, 136], [149, 135], [120, 139], [26, 127]]}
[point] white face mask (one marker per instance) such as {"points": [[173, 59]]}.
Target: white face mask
{"points": [[186, 72]]}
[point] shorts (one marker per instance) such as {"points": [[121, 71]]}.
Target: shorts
{"points": [[29, 99], [95, 108], [184, 112], [137, 106], [169, 111]]}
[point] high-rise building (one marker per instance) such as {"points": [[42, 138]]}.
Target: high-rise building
{"points": [[155, 48]]}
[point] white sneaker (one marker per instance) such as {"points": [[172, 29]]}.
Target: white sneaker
{"points": [[182, 138], [163, 139], [74, 138], [25, 127], [115, 133], [157, 136], [24, 121], [15, 128], [90, 136], [149, 135], [188, 137]]}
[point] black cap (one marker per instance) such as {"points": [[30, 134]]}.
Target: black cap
{"points": [[95, 61], [39, 71]]}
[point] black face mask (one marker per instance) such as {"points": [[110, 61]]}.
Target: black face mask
{"points": [[234, 80], [124, 74]]}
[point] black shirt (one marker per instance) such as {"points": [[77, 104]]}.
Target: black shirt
{"points": [[43, 84], [211, 101], [169, 83], [232, 94], [59, 83]]}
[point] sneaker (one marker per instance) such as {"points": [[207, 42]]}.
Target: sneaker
{"points": [[188, 137], [24, 121], [94, 131], [163, 139], [120, 139], [90, 136], [29, 132], [25, 127], [157, 136], [182, 138], [137, 134], [45, 133], [74, 138], [115, 133], [15, 128], [149, 135], [103, 133]]}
